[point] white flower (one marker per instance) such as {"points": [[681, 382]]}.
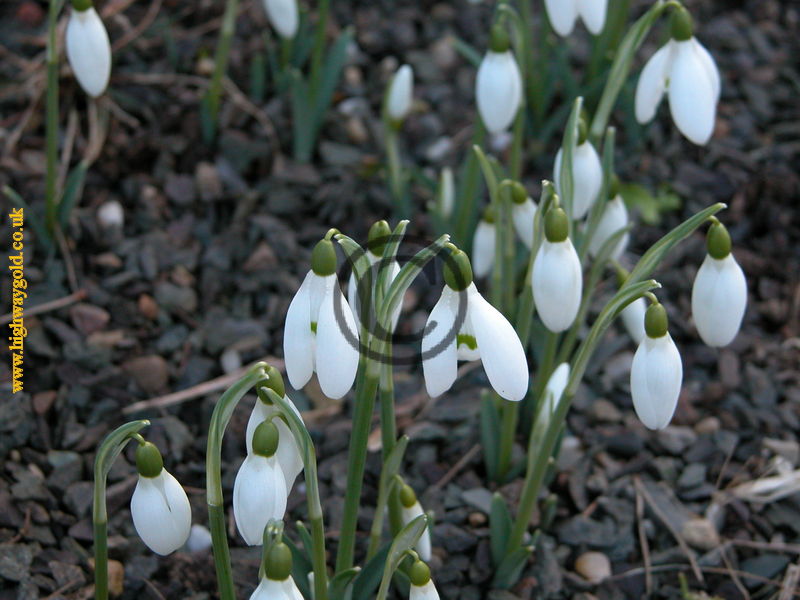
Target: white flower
{"points": [[483, 334], [423, 592], [352, 287], [656, 377], [161, 512], [321, 335], [282, 14], [498, 89], [259, 495], [719, 297], [423, 546], [483, 244], [614, 218], [587, 178], [564, 13], [271, 589], [447, 193], [555, 387], [690, 73], [523, 215], [287, 454], [633, 319], [557, 283], [88, 50], [400, 93]]}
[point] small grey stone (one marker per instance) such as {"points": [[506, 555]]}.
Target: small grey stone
{"points": [[78, 497], [693, 475], [479, 498], [15, 561]]}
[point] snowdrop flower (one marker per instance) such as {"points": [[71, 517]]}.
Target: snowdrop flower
{"points": [[498, 86], [287, 453], [483, 244], [159, 506], [320, 333], [421, 587], [88, 48], [557, 280], [633, 319], [400, 94], [552, 394], [587, 175], [564, 13], [259, 491], [523, 213], [446, 194], [656, 372], [410, 510], [686, 71], [719, 294], [614, 218], [464, 326], [282, 15], [277, 582]]}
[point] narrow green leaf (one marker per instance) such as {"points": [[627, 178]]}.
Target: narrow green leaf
{"points": [[367, 581], [490, 434], [499, 527], [30, 216], [471, 54], [341, 582], [391, 467], [568, 145], [489, 173], [510, 568], [405, 541], [73, 189]]}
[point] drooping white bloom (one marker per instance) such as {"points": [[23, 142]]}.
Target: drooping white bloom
{"points": [[464, 326], [423, 592], [633, 319], [447, 193], [689, 73], [614, 218], [283, 16], [587, 178], [88, 50], [259, 495], [423, 546], [523, 215], [321, 335], [287, 454], [498, 89], [564, 13], [400, 93], [271, 589], [719, 298], [161, 512], [557, 283], [483, 245]]}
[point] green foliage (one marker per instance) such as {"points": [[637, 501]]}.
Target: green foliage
{"points": [[650, 206]]}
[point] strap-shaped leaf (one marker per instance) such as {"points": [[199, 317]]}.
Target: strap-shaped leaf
{"points": [[72, 192], [405, 541], [499, 527], [490, 434], [391, 467], [568, 145], [367, 581], [342, 582], [488, 170], [511, 566]]}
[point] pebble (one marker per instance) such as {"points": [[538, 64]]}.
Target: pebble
{"points": [[700, 533], [111, 215], [675, 438], [605, 411], [88, 318], [150, 372], [693, 475], [15, 561], [208, 182], [593, 566], [707, 426]]}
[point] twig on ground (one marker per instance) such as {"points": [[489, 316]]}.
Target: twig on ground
{"points": [[462, 462], [39, 309], [648, 575]]}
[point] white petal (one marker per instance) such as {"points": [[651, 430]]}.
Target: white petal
{"points": [[259, 495], [337, 343], [593, 13], [652, 83], [656, 377], [161, 513], [709, 65], [498, 89], [502, 354], [401, 89], [394, 269], [88, 50], [483, 245], [633, 319], [292, 590], [439, 355], [587, 179], [298, 339], [523, 216], [719, 298], [555, 387], [557, 284], [423, 546], [282, 14], [447, 192], [288, 453], [269, 589], [614, 218], [692, 100], [562, 15], [423, 592]]}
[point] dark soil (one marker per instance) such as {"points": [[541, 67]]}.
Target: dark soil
{"points": [[217, 238]]}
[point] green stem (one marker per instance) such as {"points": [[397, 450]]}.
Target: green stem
{"points": [[507, 435], [470, 180], [395, 166], [515, 162], [51, 122], [319, 47], [214, 92], [214, 497], [389, 432]]}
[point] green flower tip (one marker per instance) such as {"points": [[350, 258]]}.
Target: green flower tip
{"points": [[518, 193], [489, 215], [419, 574], [278, 562], [407, 496], [499, 40], [323, 258], [457, 269], [378, 236], [583, 129], [613, 187], [265, 439], [556, 225], [274, 381], [148, 460], [656, 321], [718, 241], [681, 25], [81, 5]]}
